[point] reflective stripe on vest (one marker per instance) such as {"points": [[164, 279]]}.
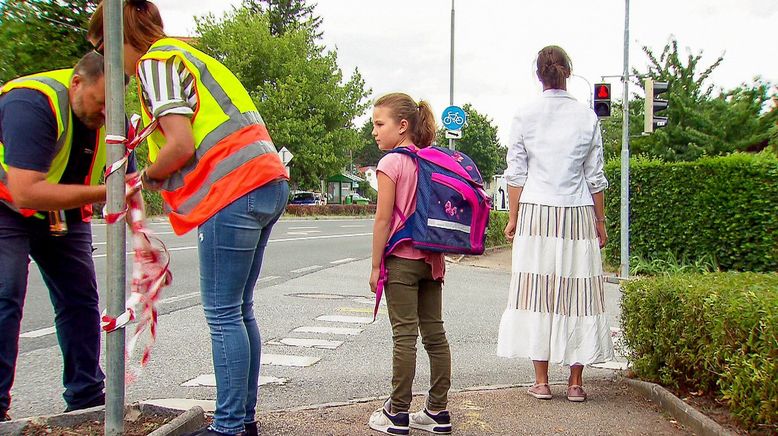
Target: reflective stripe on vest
{"points": [[221, 147], [54, 85]]}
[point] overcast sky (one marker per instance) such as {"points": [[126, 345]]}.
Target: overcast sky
{"points": [[403, 45]]}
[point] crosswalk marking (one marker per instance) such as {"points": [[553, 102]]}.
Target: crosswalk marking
{"points": [[287, 360], [308, 343], [38, 333], [355, 309], [346, 260], [210, 380], [346, 319], [329, 330]]}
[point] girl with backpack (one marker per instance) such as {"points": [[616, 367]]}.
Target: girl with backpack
{"points": [[556, 311], [414, 278]]}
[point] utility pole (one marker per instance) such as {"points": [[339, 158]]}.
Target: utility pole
{"points": [[451, 71], [624, 219], [116, 239]]}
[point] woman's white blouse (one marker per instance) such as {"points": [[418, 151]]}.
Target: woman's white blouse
{"points": [[555, 152]]}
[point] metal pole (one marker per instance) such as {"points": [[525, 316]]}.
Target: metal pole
{"points": [[625, 153], [114, 84], [451, 71]]}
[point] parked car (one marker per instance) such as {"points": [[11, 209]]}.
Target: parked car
{"points": [[305, 198]]}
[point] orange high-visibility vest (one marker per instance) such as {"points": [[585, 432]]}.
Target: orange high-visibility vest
{"points": [[233, 151], [54, 85]]}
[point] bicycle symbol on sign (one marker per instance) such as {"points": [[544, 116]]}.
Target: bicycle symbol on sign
{"points": [[453, 117]]}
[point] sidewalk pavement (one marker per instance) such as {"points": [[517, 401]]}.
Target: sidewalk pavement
{"points": [[613, 406]]}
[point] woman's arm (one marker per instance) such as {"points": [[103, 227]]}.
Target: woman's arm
{"points": [[178, 149], [381, 226]]}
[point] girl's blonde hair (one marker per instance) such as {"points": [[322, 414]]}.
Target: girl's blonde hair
{"points": [[419, 115]]}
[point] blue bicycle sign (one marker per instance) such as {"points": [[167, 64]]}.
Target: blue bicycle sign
{"points": [[454, 118]]}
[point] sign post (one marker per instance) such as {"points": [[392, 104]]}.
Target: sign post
{"points": [[286, 156], [454, 119]]}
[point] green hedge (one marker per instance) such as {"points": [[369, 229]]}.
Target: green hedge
{"points": [[331, 209], [726, 207], [495, 235], [712, 332]]}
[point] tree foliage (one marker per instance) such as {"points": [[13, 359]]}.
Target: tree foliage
{"points": [[299, 90], [480, 142], [44, 34], [701, 121], [368, 153], [287, 15]]}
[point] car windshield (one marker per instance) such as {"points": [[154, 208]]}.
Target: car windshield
{"points": [[301, 196]]}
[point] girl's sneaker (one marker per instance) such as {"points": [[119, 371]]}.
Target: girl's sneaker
{"points": [[438, 423], [388, 423]]}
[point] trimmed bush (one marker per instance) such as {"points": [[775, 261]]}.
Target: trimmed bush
{"points": [[494, 233], [331, 209], [726, 207], [712, 332]]}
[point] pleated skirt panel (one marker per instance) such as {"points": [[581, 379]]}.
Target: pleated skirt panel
{"points": [[556, 301]]}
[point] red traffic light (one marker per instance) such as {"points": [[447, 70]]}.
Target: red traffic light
{"points": [[603, 91]]}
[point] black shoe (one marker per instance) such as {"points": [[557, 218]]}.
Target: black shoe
{"points": [[252, 429], [4, 416], [207, 431], [99, 401]]}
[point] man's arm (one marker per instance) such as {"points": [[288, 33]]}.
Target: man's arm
{"points": [[30, 190]]}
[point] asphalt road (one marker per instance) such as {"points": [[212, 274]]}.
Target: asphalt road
{"points": [[297, 247]]}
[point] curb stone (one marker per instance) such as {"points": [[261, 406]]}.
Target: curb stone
{"points": [[685, 414], [188, 421], [72, 419]]}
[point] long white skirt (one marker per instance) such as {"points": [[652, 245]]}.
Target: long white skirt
{"points": [[556, 303]]}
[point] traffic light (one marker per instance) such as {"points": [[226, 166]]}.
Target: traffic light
{"points": [[654, 105], [602, 99]]}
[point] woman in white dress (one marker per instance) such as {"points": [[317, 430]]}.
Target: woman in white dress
{"points": [[555, 178]]}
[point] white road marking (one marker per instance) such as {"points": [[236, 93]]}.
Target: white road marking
{"points": [[305, 269], [357, 310], [329, 330], [323, 344], [210, 380], [346, 260], [347, 319], [38, 333], [179, 297], [267, 279], [208, 406], [287, 360], [612, 365], [302, 228], [350, 235], [346, 226], [370, 301]]}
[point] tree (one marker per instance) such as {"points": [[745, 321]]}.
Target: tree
{"points": [[700, 123], [480, 142], [368, 153], [286, 15], [42, 35], [298, 89]]}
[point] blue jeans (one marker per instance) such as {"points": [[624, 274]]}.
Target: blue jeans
{"points": [[231, 246], [67, 268]]}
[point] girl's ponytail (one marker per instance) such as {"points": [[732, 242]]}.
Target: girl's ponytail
{"points": [[424, 129]]}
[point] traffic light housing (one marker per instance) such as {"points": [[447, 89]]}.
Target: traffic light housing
{"points": [[602, 99], [654, 105]]}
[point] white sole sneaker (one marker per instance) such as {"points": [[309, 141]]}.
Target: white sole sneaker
{"points": [[380, 421], [421, 420]]}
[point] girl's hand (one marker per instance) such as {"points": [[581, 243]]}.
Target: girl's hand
{"points": [[374, 275], [602, 233], [510, 230]]}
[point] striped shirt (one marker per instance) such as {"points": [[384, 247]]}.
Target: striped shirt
{"points": [[167, 87]]}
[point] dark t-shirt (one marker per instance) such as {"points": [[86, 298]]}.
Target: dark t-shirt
{"points": [[28, 129]]}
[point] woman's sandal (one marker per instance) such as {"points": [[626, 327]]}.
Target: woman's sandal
{"points": [[541, 391], [576, 393]]}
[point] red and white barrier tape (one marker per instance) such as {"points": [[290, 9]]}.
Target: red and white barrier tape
{"points": [[150, 269]]}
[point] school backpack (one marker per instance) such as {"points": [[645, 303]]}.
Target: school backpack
{"points": [[452, 208]]}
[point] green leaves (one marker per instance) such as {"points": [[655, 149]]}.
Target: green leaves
{"points": [[480, 142], [714, 333], [298, 88], [720, 207], [44, 35]]}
